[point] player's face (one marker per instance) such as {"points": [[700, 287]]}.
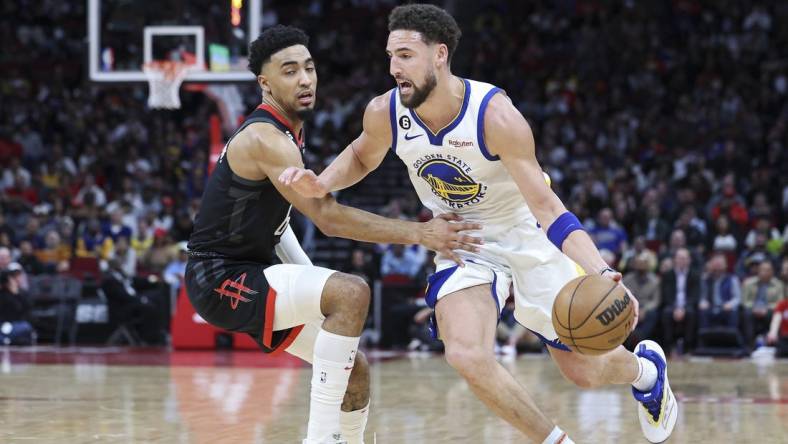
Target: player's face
{"points": [[291, 80], [412, 63]]}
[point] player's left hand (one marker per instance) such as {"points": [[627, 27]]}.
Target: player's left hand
{"points": [[616, 276], [444, 234]]}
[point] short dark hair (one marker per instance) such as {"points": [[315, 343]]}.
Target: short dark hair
{"points": [[434, 24], [271, 41]]}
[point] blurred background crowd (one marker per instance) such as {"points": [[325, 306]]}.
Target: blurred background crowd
{"points": [[663, 126]]}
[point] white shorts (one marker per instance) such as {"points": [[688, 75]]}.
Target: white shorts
{"points": [[524, 257], [299, 289]]}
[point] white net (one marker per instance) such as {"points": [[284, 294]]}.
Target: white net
{"points": [[164, 83]]}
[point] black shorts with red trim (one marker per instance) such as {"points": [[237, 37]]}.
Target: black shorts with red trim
{"points": [[235, 296]]}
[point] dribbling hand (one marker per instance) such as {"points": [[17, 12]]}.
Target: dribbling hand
{"points": [[443, 235], [304, 182], [616, 276]]}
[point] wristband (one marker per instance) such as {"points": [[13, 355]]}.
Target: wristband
{"points": [[561, 227]]}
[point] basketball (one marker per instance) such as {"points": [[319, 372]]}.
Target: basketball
{"points": [[592, 315]]}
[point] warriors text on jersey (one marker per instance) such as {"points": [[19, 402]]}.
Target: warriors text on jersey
{"points": [[452, 170], [242, 219]]}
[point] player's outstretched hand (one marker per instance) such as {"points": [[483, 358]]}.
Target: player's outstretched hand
{"points": [[443, 234], [304, 182], [616, 276]]}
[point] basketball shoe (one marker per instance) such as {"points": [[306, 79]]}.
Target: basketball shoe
{"points": [[657, 408]]}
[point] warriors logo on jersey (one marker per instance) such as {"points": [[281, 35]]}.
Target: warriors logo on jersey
{"points": [[450, 179]]}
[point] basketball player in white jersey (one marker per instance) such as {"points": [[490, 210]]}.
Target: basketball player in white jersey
{"points": [[469, 151]]}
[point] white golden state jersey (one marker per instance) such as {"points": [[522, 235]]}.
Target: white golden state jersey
{"points": [[452, 170]]}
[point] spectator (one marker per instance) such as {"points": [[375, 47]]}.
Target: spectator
{"points": [[142, 241], [160, 253], [638, 247], [607, 234], [126, 256], [126, 307], [174, 272], [115, 228], [764, 227], [99, 197], [728, 202], [678, 240], [28, 259], [720, 297], [15, 309], [747, 265], [5, 258], [760, 294], [644, 284], [694, 229], [723, 239], [680, 290], [5, 228], [360, 266], [93, 242], [54, 252], [32, 145], [401, 260]]}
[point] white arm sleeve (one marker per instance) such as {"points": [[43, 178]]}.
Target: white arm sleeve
{"points": [[289, 250]]}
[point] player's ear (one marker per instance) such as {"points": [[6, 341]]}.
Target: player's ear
{"points": [[442, 54], [263, 82]]}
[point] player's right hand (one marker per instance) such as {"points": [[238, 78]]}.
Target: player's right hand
{"points": [[443, 234], [304, 182]]}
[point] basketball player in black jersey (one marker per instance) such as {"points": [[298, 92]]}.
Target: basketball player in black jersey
{"points": [[311, 312]]}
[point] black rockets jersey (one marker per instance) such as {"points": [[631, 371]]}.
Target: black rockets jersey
{"points": [[242, 219]]}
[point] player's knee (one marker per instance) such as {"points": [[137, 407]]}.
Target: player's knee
{"points": [[470, 362], [358, 294], [349, 295]]}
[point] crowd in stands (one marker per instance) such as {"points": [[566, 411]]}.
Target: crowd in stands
{"points": [[663, 126]]}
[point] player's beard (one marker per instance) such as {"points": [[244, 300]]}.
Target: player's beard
{"points": [[305, 114], [420, 94]]}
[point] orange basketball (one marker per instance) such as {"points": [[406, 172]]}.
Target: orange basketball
{"points": [[593, 315]]}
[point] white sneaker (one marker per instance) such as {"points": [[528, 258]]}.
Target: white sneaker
{"points": [[657, 408]]}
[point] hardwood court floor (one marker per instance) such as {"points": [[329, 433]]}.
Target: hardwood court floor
{"points": [[127, 396]]}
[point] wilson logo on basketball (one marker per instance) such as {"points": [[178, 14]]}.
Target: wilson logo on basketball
{"points": [[612, 312]]}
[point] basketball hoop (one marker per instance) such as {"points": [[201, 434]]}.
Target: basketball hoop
{"points": [[164, 83]]}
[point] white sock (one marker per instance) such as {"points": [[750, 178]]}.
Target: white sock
{"points": [[331, 365], [647, 375], [558, 436], [353, 425]]}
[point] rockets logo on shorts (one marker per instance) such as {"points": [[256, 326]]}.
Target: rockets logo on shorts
{"points": [[235, 289]]}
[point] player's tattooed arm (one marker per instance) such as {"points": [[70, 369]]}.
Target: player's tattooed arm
{"points": [[363, 155]]}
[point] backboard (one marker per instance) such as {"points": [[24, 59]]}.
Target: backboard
{"points": [[213, 34]]}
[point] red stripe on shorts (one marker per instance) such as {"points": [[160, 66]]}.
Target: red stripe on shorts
{"points": [[268, 322]]}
